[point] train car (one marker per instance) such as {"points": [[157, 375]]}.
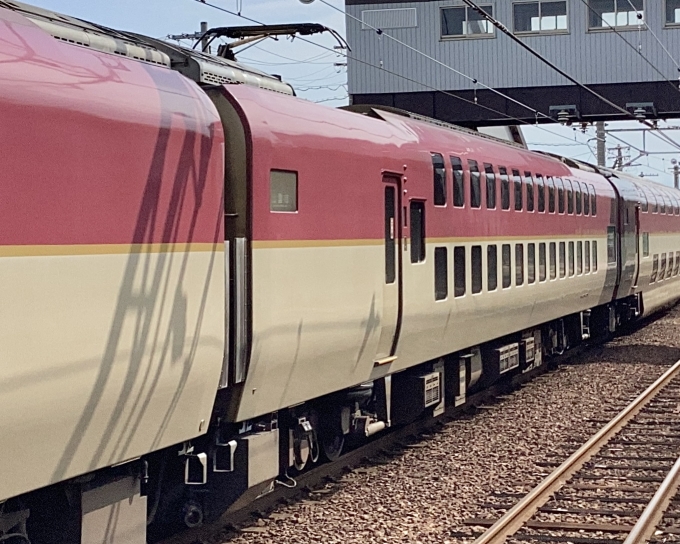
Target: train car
{"points": [[211, 285]]}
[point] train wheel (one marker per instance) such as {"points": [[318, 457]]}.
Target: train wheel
{"points": [[332, 444]]}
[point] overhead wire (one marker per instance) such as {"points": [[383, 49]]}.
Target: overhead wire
{"points": [[640, 17]]}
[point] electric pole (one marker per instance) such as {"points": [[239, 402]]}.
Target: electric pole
{"points": [[194, 36], [600, 135]]}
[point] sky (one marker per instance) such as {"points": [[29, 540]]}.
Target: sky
{"points": [[318, 74]]}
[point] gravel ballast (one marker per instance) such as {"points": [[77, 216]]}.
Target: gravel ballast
{"points": [[424, 494]]}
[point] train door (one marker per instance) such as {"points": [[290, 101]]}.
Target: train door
{"points": [[392, 286], [637, 245]]}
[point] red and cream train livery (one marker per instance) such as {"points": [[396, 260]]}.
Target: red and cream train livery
{"points": [[208, 286]]}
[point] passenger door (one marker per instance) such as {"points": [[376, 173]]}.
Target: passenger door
{"points": [[390, 319], [637, 246]]}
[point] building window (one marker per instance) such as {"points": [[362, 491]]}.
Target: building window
{"points": [[519, 264], [417, 218], [458, 182], [579, 258], [587, 263], [475, 185], [490, 186], [505, 188], [553, 261], [540, 16], [476, 259], [492, 267], [441, 273], [542, 274], [615, 13], [540, 193], [283, 191], [505, 250], [611, 244], [439, 180], [462, 22], [458, 271], [530, 191], [518, 190], [531, 263], [672, 12]]}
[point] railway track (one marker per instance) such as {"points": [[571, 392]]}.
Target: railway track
{"points": [[619, 487]]}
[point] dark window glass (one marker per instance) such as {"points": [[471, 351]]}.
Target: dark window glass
{"points": [[662, 204], [505, 261], [464, 21], [526, 17], [540, 16], [615, 13], [669, 267], [458, 182], [655, 204], [530, 191], [519, 264], [644, 203], [676, 269], [587, 263], [594, 255], [283, 191], [476, 258], [577, 191], [475, 185], [417, 232], [553, 261], [492, 267], [579, 258], [458, 271], [542, 273], [505, 188], [645, 244], [655, 268], [586, 199], [563, 260], [439, 179], [390, 231], [662, 267], [571, 258], [531, 263], [441, 273], [672, 12], [518, 190], [611, 245], [540, 193], [570, 196], [490, 186], [593, 201], [560, 195], [551, 195]]}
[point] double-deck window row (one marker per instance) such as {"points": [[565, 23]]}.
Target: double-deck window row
{"points": [[528, 192]]}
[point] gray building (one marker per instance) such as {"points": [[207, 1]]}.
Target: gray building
{"points": [[586, 38]]}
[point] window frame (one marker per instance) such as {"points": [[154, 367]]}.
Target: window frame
{"points": [[505, 187], [619, 28], [476, 270], [441, 273], [457, 196], [475, 179], [447, 37], [539, 32], [490, 175], [457, 293], [295, 195], [666, 24], [517, 191], [422, 256], [439, 165], [530, 194], [540, 193]]}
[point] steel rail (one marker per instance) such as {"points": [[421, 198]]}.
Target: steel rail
{"points": [[521, 512], [645, 527]]}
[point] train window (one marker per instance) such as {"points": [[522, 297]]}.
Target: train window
{"points": [[519, 264], [563, 259], [531, 263], [669, 204], [655, 204], [530, 191], [417, 221], [571, 258], [662, 267], [553, 261], [570, 196], [441, 273], [458, 182], [551, 195], [611, 245], [490, 186], [586, 200], [476, 258], [579, 258], [579, 199], [560, 195], [594, 259], [390, 242], [587, 263], [593, 201], [475, 185], [644, 203], [542, 274], [518, 190], [505, 188], [655, 268], [645, 244], [662, 204], [676, 206], [439, 179], [283, 191], [458, 271], [669, 267], [540, 193], [492, 267], [676, 268], [505, 262]]}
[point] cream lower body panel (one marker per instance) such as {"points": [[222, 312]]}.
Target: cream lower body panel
{"points": [[105, 357], [663, 291]]}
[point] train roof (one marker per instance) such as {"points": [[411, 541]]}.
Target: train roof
{"points": [[201, 67]]}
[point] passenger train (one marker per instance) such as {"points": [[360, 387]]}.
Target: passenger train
{"points": [[210, 284]]}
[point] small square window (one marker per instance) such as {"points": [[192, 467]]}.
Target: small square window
{"points": [[283, 191], [615, 13], [459, 22], [672, 12], [540, 16]]}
